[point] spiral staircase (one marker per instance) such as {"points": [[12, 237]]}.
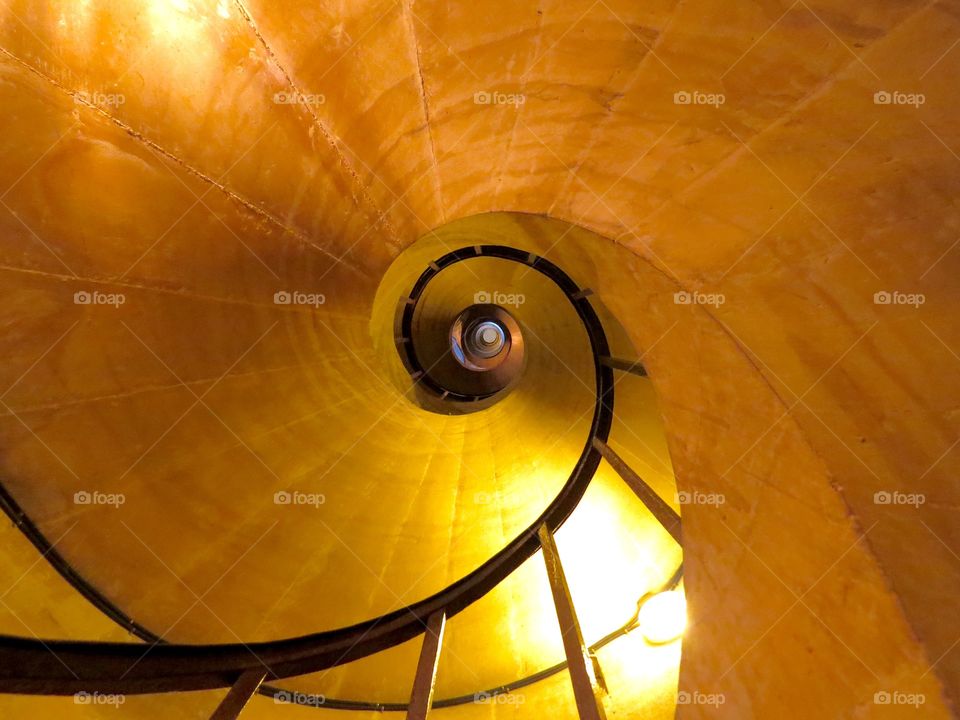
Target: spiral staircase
{"points": [[362, 360]]}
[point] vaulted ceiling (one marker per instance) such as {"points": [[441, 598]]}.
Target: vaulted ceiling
{"points": [[788, 160]]}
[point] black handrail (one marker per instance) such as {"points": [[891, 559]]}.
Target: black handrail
{"points": [[338, 704], [407, 347], [58, 667]]}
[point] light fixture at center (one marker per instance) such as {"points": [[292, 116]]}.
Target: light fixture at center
{"points": [[663, 617]]}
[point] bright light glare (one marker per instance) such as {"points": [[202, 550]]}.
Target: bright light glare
{"points": [[663, 617]]}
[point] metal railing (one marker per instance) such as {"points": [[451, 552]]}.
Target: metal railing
{"points": [[58, 667]]}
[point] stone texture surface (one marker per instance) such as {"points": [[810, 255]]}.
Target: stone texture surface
{"points": [[799, 398]]}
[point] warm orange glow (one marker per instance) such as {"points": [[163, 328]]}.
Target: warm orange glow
{"points": [[176, 20]]}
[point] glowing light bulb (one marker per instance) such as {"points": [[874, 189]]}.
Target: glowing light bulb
{"points": [[663, 617]]}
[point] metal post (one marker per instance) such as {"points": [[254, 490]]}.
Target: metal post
{"points": [[426, 678], [586, 689], [636, 367], [239, 695], [654, 503]]}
